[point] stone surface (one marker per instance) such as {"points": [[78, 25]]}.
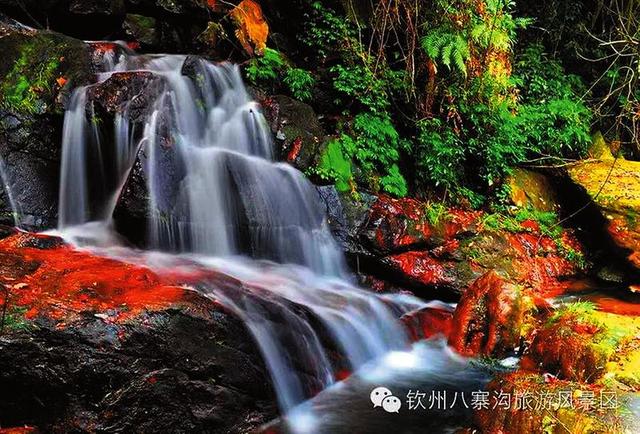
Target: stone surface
{"points": [[437, 251], [521, 403], [298, 132], [579, 343], [90, 344], [39, 70], [614, 187], [490, 318], [533, 190]]}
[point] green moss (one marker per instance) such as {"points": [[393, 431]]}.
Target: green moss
{"points": [[334, 166], [30, 79], [14, 320]]}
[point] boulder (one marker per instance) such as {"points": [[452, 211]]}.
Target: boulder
{"points": [[93, 344], [141, 28], [614, 187], [39, 71], [533, 190], [164, 25], [491, 317], [428, 247], [299, 135], [580, 343], [522, 403]]}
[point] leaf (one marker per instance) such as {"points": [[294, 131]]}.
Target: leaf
{"points": [[252, 29]]}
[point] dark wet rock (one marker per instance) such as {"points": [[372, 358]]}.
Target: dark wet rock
{"points": [[39, 70], [133, 92], [490, 318], [299, 135], [97, 7], [42, 242], [347, 216], [175, 24], [166, 371], [129, 95], [141, 28]]}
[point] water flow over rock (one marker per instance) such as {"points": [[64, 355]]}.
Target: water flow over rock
{"points": [[212, 185], [190, 130]]}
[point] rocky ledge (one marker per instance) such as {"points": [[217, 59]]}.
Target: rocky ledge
{"points": [[90, 344]]}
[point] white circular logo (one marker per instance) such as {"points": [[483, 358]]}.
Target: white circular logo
{"points": [[382, 397]]}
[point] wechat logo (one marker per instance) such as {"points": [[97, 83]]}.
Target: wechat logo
{"points": [[382, 397]]}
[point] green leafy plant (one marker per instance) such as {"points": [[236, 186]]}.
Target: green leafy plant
{"points": [[334, 166], [267, 67], [448, 47], [300, 83]]}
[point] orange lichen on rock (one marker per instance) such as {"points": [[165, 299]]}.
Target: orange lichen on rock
{"points": [[252, 29], [490, 317], [60, 281]]}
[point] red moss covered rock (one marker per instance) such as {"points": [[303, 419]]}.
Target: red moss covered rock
{"points": [[428, 322], [490, 317], [51, 279]]}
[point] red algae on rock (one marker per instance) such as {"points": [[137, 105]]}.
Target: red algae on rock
{"points": [[490, 317], [61, 281], [428, 322]]}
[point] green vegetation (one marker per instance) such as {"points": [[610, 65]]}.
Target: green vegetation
{"points": [[14, 320], [334, 166], [300, 83], [272, 66], [609, 331], [548, 225], [444, 99], [28, 80]]}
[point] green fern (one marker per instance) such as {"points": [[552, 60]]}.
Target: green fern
{"points": [[447, 48]]}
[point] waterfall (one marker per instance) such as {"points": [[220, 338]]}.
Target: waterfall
{"points": [[215, 196], [233, 198], [7, 185]]}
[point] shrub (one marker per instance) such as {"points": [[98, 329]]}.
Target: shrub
{"points": [[300, 83]]}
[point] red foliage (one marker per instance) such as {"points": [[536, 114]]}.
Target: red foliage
{"points": [[421, 267]]}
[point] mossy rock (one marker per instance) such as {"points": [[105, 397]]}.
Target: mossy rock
{"points": [[39, 69], [538, 405], [580, 343], [534, 190], [141, 28], [38, 72], [614, 187]]}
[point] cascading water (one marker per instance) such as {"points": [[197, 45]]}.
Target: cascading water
{"points": [[8, 191], [215, 193], [233, 197]]}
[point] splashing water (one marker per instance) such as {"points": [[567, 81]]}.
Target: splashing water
{"points": [[216, 196]]}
